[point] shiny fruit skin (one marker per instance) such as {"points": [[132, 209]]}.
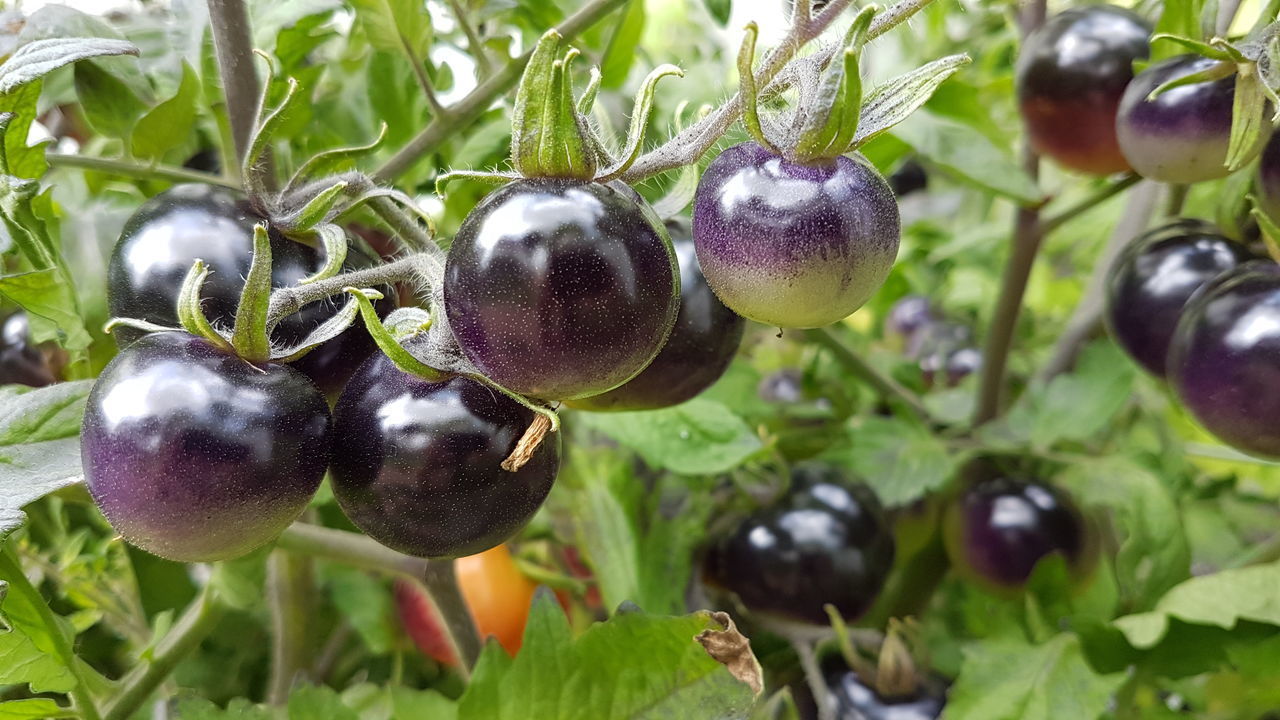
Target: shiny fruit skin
{"points": [[827, 541], [1070, 76], [793, 245], [998, 529], [1224, 358], [855, 700], [1182, 135], [701, 345], [560, 289], [1150, 282], [417, 462], [196, 455], [497, 594], [1267, 182], [187, 222], [21, 362]]}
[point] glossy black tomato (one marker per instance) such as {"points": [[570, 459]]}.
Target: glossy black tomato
{"points": [[1267, 182], [1182, 135], [943, 352], [187, 222], [1224, 362], [703, 342], [21, 362], [855, 699], [998, 529], [560, 289], [196, 455], [417, 463], [793, 245], [910, 177], [827, 541], [1151, 280], [1070, 76]]}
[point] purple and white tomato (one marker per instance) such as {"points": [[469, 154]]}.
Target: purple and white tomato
{"points": [[794, 245]]}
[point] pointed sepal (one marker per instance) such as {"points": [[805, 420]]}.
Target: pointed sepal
{"points": [[249, 335], [891, 103], [639, 121], [389, 344], [327, 330], [190, 312], [549, 138], [334, 241], [831, 120], [748, 91]]}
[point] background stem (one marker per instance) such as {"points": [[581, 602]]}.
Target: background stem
{"points": [[291, 594], [813, 676], [124, 168], [886, 386], [233, 43]]}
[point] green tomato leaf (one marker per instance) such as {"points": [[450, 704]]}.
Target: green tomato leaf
{"points": [[623, 45], [899, 459], [109, 105], [21, 662], [634, 665], [39, 444], [892, 102], [1222, 599], [41, 57], [366, 603], [168, 124], [1154, 554], [35, 709], [699, 437], [964, 154], [1006, 679], [24, 162], [237, 709], [402, 27], [309, 702], [37, 640]]}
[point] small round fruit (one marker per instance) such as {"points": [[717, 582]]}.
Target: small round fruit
{"points": [[703, 342], [417, 465], [561, 289], [793, 245], [1152, 279], [1268, 179], [909, 315], [827, 541], [496, 592], [187, 222], [910, 177], [194, 454], [998, 529], [854, 699], [1070, 77], [962, 363], [1223, 359], [21, 362], [1182, 135]]}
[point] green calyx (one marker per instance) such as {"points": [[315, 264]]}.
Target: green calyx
{"points": [[831, 123], [550, 134]]}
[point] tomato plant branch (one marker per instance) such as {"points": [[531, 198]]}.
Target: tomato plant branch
{"points": [[199, 619], [290, 593], [694, 141], [475, 46], [462, 114], [813, 677], [233, 44], [124, 168], [11, 569], [881, 383], [1053, 222], [359, 551], [412, 268]]}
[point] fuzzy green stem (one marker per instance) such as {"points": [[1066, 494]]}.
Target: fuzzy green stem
{"points": [[291, 595], [813, 676], [1053, 222], [125, 168], [475, 46], [289, 300], [188, 632], [233, 44], [884, 385]]}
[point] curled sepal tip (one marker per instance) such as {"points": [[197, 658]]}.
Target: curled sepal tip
{"points": [[548, 137], [388, 343], [1267, 228], [640, 120], [334, 241], [190, 313], [327, 330], [831, 120], [747, 89], [249, 334]]}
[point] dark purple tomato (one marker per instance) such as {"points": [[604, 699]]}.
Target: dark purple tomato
{"points": [[1070, 77], [827, 541], [417, 463], [854, 699], [910, 177], [1268, 180], [793, 245], [1224, 361], [998, 529], [1153, 278], [21, 362], [560, 289], [701, 345], [961, 364], [1182, 135], [909, 315], [196, 455], [187, 222]]}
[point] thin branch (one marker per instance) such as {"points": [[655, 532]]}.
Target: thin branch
{"points": [[813, 677], [462, 114], [185, 636], [1053, 222], [883, 384], [233, 42], [291, 595], [359, 551], [475, 46], [424, 82], [1086, 319], [124, 168], [289, 300]]}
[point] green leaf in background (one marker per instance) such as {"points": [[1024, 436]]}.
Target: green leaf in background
{"points": [[401, 27], [22, 662], [39, 444], [24, 161], [1007, 679], [634, 665], [720, 10], [41, 57], [35, 709], [957, 100], [1154, 555], [168, 124], [311, 703], [623, 45], [37, 641], [1222, 599], [968, 157], [238, 709], [899, 459], [366, 603], [109, 105], [699, 437], [1179, 17]]}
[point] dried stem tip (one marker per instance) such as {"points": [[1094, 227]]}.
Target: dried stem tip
{"points": [[528, 444]]}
